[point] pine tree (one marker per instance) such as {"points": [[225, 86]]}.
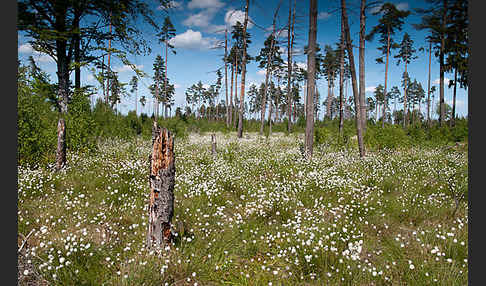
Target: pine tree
{"points": [[54, 27], [391, 21], [134, 89], [406, 54], [435, 20], [167, 32]]}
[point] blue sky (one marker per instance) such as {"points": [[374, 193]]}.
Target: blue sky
{"points": [[199, 23]]}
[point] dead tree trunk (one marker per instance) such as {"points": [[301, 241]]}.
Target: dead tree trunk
{"points": [[61, 144], [213, 144], [161, 180]]}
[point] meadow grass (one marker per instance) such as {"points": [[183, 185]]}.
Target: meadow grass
{"points": [[257, 213]]}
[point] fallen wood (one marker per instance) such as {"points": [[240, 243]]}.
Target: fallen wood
{"points": [[161, 180]]}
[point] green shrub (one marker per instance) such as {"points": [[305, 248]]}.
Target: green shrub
{"points": [[80, 125], [389, 137], [417, 135], [36, 129]]}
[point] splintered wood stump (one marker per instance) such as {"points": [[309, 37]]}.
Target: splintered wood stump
{"points": [[213, 144], [161, 180], [61, 144]]}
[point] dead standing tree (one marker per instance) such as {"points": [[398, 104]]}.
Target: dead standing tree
{"points": [[161, 180]]}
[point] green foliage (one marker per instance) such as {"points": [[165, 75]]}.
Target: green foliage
{"points": [[80, 125], [36, 128], [389, 137]]}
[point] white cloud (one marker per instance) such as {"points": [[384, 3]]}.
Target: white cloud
{"points": [[43, 58], [200, 19], [302, 65], [175, 5], [370, 89], [446, 81], [403, 6], [90, 78], [261, 72], [459, 103], [192, 40], [203, 20], [233, 16], [25, 48], [205, 4], [375, 9], [323, 15], [176, 85], [38, 56], [126, 68], [206, 85]]}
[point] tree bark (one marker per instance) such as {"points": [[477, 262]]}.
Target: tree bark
{"points": [[264, 99], [329, 99], [289, 68], [428, 87], [236, 93], [267, 74], [270, 110], [243, 74], [213, 144], [165, 83], [453, 116], [362, 87], [156, 100], [405, 109], [63, 89], [61, 144], [162, 181], [311, 65], [441, 66], [230, 103], [226, 75], [341, 80], [77, 51], [386, 77], [109, 68], [353, 79]]}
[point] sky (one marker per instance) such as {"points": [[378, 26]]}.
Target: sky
{"points": [[200, 26]]}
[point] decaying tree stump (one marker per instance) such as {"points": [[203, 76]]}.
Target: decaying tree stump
{"points": [[61, 144], [161, 180], [213, 144]]}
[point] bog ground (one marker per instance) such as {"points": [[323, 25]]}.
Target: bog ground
{"points": [[255, 214]]}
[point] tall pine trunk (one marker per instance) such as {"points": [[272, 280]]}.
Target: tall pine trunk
{"points": [[311, 68], [405, 100], [63, 87], [453, 116], [289, 68], [386, 77], [267, 75], [264, 99], [230, 120], [353, 79], [441, 66], [362, 88], [329, 98], [226, 75], [341, 80], [109, 67], [429, 122], [165, 83], [77, 50], [243, 74], [236, 93]]}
